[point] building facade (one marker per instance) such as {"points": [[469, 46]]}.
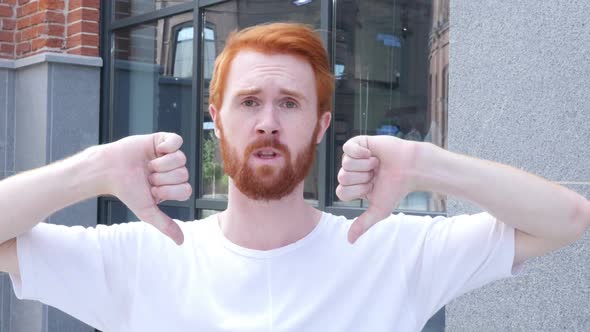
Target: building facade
{"points": [[75, 73]]}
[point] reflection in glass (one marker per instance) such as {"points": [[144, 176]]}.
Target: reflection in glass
{"points": [[209, 52], [384, 55], [152, 78], [127, 8], [220, 20], [208, 213], [214, 180], [183, 52]]}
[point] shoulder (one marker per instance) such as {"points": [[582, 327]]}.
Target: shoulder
{"points": [[130, 234], [405, 224], [395, 228], [409, 230]]}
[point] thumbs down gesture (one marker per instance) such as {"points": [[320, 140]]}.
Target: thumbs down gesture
{"points": [[379, 169]]}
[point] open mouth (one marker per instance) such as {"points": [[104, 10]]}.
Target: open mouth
{"points": [[266, 154]]}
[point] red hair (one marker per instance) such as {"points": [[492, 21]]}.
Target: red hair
{"points": [[284, 38]]}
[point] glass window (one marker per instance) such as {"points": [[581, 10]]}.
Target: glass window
{"points": [[118, 213], [151, 84], [382, 63], [219, 21], [183, 54], [152, 78], [390, 62], [127, 8]]}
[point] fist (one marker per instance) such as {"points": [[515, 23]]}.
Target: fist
{"points": [[148, 169], [378, 169]]}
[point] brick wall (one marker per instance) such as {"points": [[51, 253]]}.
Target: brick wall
{"points": [[7, 27], [30, 27]]}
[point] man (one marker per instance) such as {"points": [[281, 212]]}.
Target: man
{"points": [[270, 261]]}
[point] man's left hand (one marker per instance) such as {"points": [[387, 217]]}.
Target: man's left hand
{"points": [[379, 169]]}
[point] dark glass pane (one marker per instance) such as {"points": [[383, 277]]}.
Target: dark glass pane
{"points": [[176, 212], [127, 8], [220, 20], [148, 96], [118, 213], [388, 56]]}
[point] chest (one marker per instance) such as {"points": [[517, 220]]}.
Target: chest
{"points": [[296, 294]]}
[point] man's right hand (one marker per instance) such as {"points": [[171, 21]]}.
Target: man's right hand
{"points": [[145, 170]]}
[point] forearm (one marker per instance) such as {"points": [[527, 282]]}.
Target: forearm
{"points": [[28, 198], [524, 201]]}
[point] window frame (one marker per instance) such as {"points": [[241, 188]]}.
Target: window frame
{"points": [[326, 154]]}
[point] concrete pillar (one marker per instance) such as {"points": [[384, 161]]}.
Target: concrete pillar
{"points": [[519, 79]]}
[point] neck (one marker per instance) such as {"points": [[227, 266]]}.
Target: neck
{"points": [[266, 225]]}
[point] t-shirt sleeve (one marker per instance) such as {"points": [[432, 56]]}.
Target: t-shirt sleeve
{"points": [[88, 273], [459, 254]]}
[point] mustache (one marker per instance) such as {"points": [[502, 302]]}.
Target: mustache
{"points": [[268, 142]]}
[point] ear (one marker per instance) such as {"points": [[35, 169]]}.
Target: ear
{"points": [[325, 120], [214, 115]]}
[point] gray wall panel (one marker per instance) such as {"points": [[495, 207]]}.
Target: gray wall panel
{"points": [[10, 118], [74, 101], [5, 290], [551, 294], [518, 84], [4, 92], [73, 113], [26, 316], [6, 121], [6, 168], [61, 322], [30, 134], [73, 108], [55, 115], [31, 117]]}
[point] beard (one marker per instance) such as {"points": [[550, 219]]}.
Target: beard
{"points": [[267, 182]]}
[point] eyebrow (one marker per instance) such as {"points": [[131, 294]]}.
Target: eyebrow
{"points": [[246, 92], [255, 91], [293, 93]]}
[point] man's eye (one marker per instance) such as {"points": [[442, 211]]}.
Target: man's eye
{"points": [[290, 104], [249, 103]]}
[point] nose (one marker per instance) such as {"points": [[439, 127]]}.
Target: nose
{"points": [[268, 123]]}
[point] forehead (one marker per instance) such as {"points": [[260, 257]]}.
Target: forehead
{"points": [[252, 69]]}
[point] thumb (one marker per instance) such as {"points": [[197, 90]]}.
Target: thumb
{"points": [[165, 143], [155, 217], [365, 221], [357, 147]]}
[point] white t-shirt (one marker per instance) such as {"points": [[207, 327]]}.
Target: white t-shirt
{"points": [[130, 277]]}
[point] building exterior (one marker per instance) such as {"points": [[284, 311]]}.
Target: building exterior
{"points": [[500, 81]]}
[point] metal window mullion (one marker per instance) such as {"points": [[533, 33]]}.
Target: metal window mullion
{"points": [[327, 147], [196, 118], [199, 21], [105, 96]]}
